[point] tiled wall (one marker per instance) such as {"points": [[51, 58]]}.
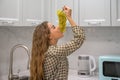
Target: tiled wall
{"points": [[99, 41]]}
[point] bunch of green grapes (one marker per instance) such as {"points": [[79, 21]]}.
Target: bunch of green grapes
{"points": [[62, 20]]}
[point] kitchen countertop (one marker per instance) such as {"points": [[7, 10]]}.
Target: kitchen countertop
{"points": [[71, 76], [74, 76]]}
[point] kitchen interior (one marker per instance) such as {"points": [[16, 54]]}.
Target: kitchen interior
{"points": [[99, 18]]}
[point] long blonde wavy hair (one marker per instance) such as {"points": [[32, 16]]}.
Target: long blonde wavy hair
{"points": [[40, 45]]}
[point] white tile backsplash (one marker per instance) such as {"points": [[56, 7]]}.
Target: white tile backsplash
{"points": [[99, 41]]}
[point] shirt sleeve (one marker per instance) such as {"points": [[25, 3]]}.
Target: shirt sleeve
{"points": [[71, 46]]}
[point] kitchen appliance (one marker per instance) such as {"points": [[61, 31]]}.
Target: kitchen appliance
{"points": [[109, 68], [86, 65]]}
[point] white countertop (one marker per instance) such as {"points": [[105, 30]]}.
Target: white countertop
{"points": [[71, 76], [74, 76]]}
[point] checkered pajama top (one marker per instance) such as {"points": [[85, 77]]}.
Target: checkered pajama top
{"points": [[56, 63]]}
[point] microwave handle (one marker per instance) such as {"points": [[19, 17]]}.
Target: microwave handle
{"points": [[94, 64]]}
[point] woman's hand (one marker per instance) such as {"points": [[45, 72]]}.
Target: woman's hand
{"points": [[67, 11]]}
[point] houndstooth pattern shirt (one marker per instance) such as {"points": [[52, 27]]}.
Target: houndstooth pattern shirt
{"points": [[56, 62]]}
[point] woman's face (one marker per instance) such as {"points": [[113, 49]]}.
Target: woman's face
{"points": [[55, 32]]}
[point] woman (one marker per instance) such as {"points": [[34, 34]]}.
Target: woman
{"points": [[48, 60]]}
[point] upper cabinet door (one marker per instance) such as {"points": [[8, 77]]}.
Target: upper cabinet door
{"points": [[10, 12], [33, 12], [58, 4], [115, 12], [94, 12], [47, 10]]}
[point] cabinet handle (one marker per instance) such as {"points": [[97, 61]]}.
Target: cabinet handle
{"points": [[34, 23], [94, 23], [7, 22]]}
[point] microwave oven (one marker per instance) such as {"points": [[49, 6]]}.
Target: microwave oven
{"points": [[109, 68]]}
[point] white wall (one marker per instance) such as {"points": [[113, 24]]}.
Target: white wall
{"points": [[99, 41]]}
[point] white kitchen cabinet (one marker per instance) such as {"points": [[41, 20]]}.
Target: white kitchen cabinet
{"points": [[84, 12], [10, 12], [47, 10], [58, 4], [33, 12], [21, 12], [94, 13], [115, 10]]}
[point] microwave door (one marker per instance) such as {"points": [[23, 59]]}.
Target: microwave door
{"points": [[111, 69]]}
